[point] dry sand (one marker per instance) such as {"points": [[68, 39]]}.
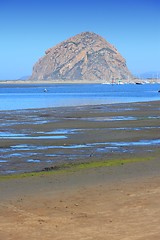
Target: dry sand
{"points": [[115, 203], [106, 203]]}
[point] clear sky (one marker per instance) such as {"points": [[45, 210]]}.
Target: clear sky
{"points": [[29, 27]]}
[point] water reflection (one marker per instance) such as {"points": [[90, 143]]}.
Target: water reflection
{"points": [[15, 157], [33, 161]]}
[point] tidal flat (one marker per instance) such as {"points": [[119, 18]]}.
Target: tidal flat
{"points": [[38, 139]]}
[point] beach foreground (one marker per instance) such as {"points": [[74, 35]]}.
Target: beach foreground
{"points": [[110, 191], [107, 203]]}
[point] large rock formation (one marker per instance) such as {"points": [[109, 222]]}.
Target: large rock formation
{"points": [[86, 56]]}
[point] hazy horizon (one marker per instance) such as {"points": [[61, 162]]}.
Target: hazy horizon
{"points": [[28, 28]]}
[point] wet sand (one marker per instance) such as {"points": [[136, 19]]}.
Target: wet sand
{"points": [[31, 140], [120, 202]]}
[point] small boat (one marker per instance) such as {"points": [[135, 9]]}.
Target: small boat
{"points": [[139, 83], [45, 90]]}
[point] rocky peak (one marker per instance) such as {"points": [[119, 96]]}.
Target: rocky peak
{"points": [[86, 56]]}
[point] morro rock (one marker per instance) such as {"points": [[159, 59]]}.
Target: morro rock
{"points": [[86, 56]]}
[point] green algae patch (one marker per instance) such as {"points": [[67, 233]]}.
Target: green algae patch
{"points": [[32, 174], [109, 163], [68, 168]]}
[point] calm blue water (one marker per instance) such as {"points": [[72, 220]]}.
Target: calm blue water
{"points": [[14, 97]]}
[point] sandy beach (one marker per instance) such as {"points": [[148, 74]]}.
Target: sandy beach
{"points": [[105, 202], [115, 203]]}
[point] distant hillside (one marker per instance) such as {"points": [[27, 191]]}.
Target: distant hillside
{"points": [[86, 56], [24, 78]]}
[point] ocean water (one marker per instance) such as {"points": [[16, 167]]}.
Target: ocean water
{"points": [[13, 97]]}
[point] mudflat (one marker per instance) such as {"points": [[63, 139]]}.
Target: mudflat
{"points": [[32, 140], [102, 202]]}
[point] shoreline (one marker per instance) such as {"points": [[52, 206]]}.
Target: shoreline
{"points": [[75, 167], [32, 82]]}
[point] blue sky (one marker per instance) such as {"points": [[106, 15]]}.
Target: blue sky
{"points": [[28, 28]]}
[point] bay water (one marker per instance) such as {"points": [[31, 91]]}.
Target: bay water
{"points": [[29, 96]]}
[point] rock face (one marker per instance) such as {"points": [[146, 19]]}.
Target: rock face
{"points": [[86, 56]]}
